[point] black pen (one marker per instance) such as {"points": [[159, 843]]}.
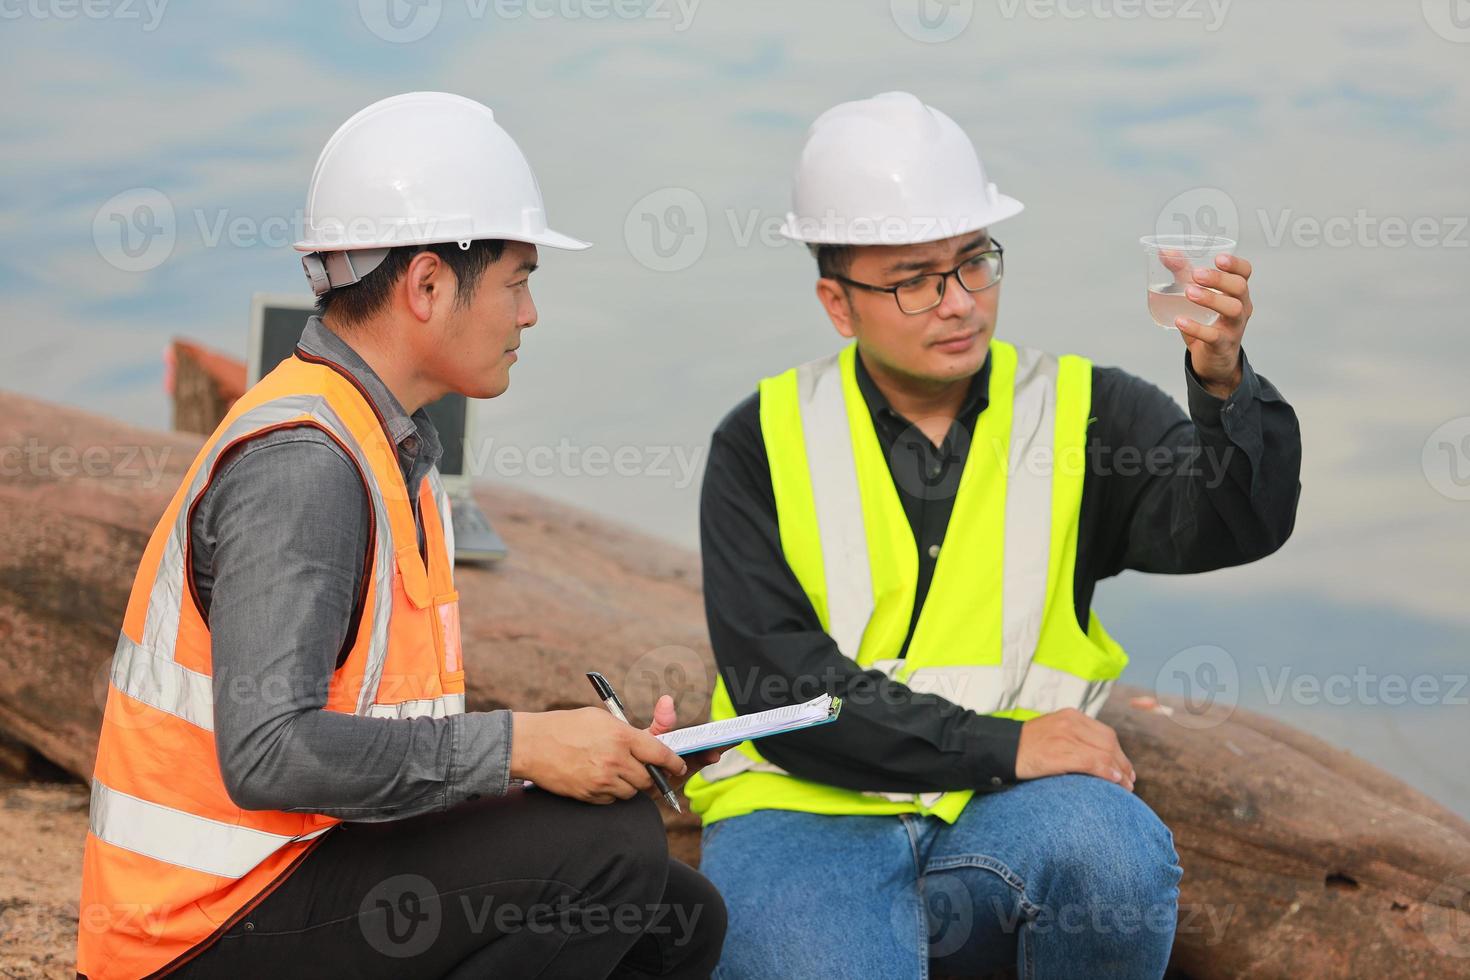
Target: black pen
{"points": [[609, 699]]}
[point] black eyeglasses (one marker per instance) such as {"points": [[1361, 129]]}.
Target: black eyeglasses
{"points": [[923, 293]]}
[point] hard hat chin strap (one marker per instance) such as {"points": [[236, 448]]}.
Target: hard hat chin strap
{"points": [[329, 270]]}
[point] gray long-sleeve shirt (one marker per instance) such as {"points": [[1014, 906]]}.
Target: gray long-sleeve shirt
{"points": [[278, 541]]}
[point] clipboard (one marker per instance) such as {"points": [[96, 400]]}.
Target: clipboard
{"points": [[821, 710]]}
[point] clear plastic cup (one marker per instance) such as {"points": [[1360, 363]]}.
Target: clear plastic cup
{"points": [[1171, 261]]}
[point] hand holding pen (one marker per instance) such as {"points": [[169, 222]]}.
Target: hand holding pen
{"points": [[611, 702], [590, 755]]}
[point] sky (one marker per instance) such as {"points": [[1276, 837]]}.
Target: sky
{"points": [[157, 155]]}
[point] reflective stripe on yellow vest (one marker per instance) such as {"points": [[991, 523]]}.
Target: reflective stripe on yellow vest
{"points": [[998, 630], [170, 860]]}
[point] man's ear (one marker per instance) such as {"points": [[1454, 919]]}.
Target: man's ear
{"points": [[838, 304], [426, 281]]}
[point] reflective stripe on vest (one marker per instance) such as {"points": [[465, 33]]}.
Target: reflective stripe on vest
{"points": [[1017, 653], [440, 707], [210, 846]]}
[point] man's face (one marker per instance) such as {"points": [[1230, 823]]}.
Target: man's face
{"points": [[476, 342], [939, 345]]}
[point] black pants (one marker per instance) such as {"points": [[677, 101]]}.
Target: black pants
{"points": [[530, 885]]}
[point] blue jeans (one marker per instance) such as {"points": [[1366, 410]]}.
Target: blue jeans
{"points": [[1061, 877]]}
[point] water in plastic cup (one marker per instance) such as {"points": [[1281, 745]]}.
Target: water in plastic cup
{"points": [[1171, 261]]}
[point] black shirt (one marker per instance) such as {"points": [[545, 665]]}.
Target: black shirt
{"points": [[1163, 492]]}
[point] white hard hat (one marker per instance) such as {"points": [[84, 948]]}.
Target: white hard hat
{"points": [[890, 171], [417, 169]]}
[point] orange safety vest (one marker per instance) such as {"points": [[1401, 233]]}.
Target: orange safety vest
{"points": [[171, 862]]}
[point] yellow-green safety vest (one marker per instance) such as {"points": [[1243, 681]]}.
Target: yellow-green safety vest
{"points": [[998, 631]]}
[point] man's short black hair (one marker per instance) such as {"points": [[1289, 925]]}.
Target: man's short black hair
{"points": [[365, 298], [832, 260]]}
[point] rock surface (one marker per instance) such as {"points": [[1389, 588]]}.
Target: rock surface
{"points": [[1300, 860]]}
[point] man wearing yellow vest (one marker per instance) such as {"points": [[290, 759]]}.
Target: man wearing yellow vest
{"points": [[287, 782], [916, 524]]}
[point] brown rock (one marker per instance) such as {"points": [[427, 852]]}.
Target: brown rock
{"points": [[1310, 861], [204, 384], [1299, 859]]}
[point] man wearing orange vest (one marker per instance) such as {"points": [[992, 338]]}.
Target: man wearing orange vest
{"points": [[287, 782]]}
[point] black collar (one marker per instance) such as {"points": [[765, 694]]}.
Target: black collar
{"points": [[976, 399]]}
